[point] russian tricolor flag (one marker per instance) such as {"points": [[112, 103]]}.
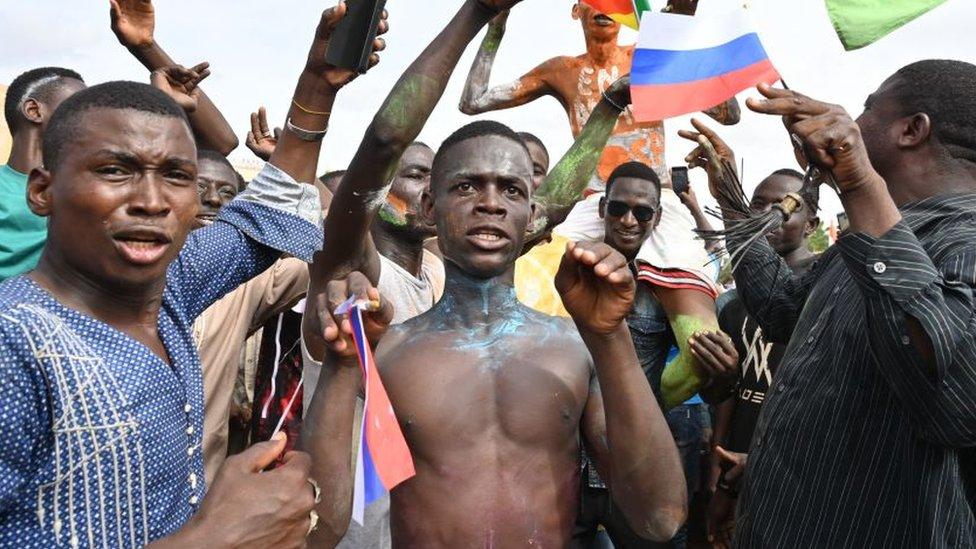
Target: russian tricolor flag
{"points": [[383, 458], [688, 64]]}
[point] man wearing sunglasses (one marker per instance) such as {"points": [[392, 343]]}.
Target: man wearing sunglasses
{"points": [[631, 211]]}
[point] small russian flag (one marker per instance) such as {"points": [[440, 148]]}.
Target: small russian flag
{"points": [[688, 64], [383, 457]]}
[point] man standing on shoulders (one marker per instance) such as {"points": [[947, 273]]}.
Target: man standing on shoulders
{"points": [[31, 100]]}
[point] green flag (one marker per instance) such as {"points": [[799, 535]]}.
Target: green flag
{"points": [[863, 22]]}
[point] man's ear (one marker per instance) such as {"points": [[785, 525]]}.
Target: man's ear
{"points": [[39, 192], [576, 11], [657, 218], [603, 207], [915, 130], [427, 208], [32, 110], [812, 223]]}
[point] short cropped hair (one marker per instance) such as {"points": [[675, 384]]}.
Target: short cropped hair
{"points": [[39, 84], [481, 128], [532, 138], [635, 170], [809, 193], [942, 89], [214, 156], [63, 126]]}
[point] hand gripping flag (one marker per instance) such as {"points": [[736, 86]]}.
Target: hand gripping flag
{"points": [[688, 64], [625, 12], [383, 458], [862, 22]]}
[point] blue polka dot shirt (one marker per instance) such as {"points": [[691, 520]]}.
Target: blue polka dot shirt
{"points": [[101, 442]]}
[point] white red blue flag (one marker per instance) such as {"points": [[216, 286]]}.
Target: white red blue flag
{"points": [[383, 460], [686, 64]]}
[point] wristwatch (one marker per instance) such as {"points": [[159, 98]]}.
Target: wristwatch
{"points": [[305, 135]]}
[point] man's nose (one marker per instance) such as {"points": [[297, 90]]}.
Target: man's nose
{"points": [[148, 197], [211, 197], [490, 201]]}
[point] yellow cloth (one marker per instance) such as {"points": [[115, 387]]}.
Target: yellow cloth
{"points": [[535, 275]]}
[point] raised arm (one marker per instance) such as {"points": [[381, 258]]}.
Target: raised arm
{"points": [[919, 305], [396, 125], [478, 98], [133, 22], [623, 426], [564, 185], [773, 295]]}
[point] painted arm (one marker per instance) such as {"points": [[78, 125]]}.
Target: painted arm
{"points": [[566, 182], [397, 124], [479, 98], [133, 22], [623, 426]]}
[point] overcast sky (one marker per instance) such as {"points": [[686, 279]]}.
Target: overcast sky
{"points": [[257, 48]]}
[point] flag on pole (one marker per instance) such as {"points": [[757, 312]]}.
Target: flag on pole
{"points": [[384, 459], [862, 22], [688, 64], [625, 12]]}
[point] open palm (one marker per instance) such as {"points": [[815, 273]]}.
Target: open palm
{"points": [[133, 22]]}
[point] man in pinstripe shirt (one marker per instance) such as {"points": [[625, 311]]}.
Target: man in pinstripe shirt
{"points": [[867, 435]]}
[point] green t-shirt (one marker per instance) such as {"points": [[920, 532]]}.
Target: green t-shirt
{"points": [[22, 234]]}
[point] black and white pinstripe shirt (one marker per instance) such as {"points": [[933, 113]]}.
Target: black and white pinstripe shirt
{"points": [[861, 442]]}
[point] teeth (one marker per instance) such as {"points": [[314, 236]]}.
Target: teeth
{"points": [[488, 236], [141, 244]]}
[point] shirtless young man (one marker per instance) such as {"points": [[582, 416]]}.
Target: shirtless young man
{"points": [[495, 422], [672, 260]]}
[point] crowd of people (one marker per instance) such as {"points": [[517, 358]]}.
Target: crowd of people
{"points": [[566, 364]]}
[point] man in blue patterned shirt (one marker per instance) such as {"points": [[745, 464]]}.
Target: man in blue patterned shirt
{"points": [[103, 408]]}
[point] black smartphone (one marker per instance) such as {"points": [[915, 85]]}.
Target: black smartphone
{"points": [[352, 40], [679, 179]]}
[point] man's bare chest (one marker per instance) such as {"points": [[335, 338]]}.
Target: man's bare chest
{"points": [[520, 390]]}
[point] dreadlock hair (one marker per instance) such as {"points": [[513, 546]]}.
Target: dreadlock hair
{"points": [[65, 123], [942, 89], [39, 84]]}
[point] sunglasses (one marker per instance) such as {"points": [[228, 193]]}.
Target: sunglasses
{"points": [[642, 214]]}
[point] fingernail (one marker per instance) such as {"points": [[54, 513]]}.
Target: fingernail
{"points": [[280, 435]]}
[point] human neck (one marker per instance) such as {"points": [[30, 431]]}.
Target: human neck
{"points": [[602, 52], [25, 152], [473, 302], [798, 256], [120, 307], [406, 252], [921, 178]]}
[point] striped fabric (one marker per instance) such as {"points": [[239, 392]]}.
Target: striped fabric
{"points": [[862, 443], [675, 279], [625, 12]]}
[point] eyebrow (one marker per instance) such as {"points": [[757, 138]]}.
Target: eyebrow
{"points": [[131, 158]]}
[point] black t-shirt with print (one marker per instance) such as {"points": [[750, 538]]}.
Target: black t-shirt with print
{"points": [[759, 360]]}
